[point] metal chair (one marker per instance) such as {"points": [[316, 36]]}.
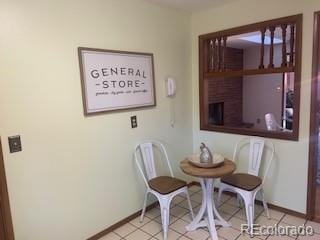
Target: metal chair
{"points": [[247, 185], [164, 188], [271, 122]]}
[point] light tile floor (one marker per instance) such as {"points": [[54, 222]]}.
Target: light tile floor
{"points": [[151, 229]]}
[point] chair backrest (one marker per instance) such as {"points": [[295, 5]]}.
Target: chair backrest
{"points": [[271, 122], [255, 155], [146, 151], [256, 149]]}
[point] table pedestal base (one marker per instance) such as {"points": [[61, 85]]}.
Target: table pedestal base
{"points": [[208, 215]]}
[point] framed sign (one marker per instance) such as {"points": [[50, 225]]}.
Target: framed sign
{"points": [[114, 80]]}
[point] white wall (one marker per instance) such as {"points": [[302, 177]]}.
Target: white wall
{"points": [[287, 185], [75, 175]]}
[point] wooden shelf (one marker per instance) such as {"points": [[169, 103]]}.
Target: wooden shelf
{"points": [[249, 72], [293, 136]]}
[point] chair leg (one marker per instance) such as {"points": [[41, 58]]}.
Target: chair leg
{"points": [[239, 200], [189, 204], [221, 188], [265, 206], [165, 208], [249, 204], [144, 206]]}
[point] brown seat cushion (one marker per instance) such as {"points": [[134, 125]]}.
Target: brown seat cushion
{"points": [[165, 185], [242, 180]]}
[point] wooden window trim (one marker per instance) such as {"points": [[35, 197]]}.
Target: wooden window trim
{"points": [[313, 140], [294, 135], [5, 212]]}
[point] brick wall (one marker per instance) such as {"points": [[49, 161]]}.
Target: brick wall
{"points": [[229, 90]]}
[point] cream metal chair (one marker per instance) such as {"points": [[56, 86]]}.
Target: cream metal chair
{"points": [[271, 122], [164, 188], [247, 185]]}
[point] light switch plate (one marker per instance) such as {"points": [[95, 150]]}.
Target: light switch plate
{"points": [[134, 123], [15, 144]]}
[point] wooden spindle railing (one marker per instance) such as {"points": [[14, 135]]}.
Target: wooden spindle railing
{"points": [[284, 45], [263, 33], [211, 56], [224, 53], [215, 54], [278, 46], [292, 34], [217, 50], [219, 54], [272, 29]]}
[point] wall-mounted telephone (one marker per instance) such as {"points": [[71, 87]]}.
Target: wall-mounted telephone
{"points": [[171, 87], [171, 91]]}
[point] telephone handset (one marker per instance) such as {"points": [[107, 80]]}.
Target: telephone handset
{"points": [[171, 91], [171, 87]]}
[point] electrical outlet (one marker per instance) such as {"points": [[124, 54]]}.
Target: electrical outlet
{"points": [[134, 122], [15, 144]]}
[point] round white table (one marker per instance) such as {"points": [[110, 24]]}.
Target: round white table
{"points": [[208, 216]]}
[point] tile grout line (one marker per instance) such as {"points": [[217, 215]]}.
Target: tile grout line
{"points": [[200, 204], [194, 206], [153, 219], [279, 221], [178, 218]]}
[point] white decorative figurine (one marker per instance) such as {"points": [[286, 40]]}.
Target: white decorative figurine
{"points": [[205, 155]]}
